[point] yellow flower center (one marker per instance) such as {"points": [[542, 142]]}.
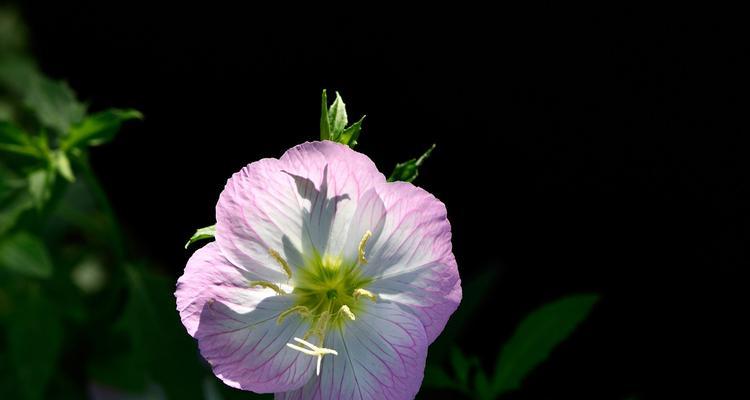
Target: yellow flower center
{"points": [[328, 292]]}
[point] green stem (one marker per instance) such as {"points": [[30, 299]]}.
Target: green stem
{"points": [[100, 196]]}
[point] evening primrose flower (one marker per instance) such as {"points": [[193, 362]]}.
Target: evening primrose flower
{"points": [[324, 281]]}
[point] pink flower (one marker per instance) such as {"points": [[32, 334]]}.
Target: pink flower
{"points": [[325, 281]]}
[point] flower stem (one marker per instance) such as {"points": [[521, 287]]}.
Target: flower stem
{"points": [[101, 199]]}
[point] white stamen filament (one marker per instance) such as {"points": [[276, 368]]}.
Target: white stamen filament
{"points": [[312, 351]]}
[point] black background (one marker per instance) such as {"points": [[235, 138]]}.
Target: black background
{"points": [[577, 151]]}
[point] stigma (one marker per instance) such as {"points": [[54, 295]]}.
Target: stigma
{"points": [[312, 350]]}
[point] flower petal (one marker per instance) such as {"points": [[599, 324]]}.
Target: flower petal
{"points": [[368, 216], [235, 325], [209, 276], [381, 355], [248, 351], [330, 178], [301, 202], [411, 260]]}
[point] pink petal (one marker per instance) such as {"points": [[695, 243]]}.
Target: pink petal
{"points": [[301, 202], [236, 328], [209, 276], [411, 259], [368, 216], [381, 355]]}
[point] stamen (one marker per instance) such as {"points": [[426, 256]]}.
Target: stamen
{"points": [[362, 244], [366, 293], [313, 351], [268, 285], [276, 256], [301, 310], [321, 326], [345, 309]]}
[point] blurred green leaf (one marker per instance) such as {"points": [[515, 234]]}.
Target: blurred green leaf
{"points": [[40, 186], [17, 73], [435, 377], [461, 366], [536, 336], [54, 104], [99, 128], [201, 234], [14, 140], [474, 293], [409, 170], [62, 164], [14, 198], [157, 333], [482, 387], [10, 133], [34, 343], [12, 31], [25, 254], [12, 207]]}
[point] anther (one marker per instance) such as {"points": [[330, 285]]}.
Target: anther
{"points": [[279, 259], [366, 293], [345, 309], [362, 244]]}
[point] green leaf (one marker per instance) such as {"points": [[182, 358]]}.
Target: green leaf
{"points": [[337, 118], [54, 104], [14, 140], [461, 366], [13, 32], [25, 254], [62, 164], [435, 377], [201, 234], [482, 386], [157, 335], [34, 342], [333, 122], [10, 133], [14, 198], [536, 336], [325, 130], [350, 135], [17, 73], [99, 128], [409, 170], [12, 207], [40, 186]]}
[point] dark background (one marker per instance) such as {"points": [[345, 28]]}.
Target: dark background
{"points": [[577, 151]]}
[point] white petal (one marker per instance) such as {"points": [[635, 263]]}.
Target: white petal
{"points": [[381, 356]]}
